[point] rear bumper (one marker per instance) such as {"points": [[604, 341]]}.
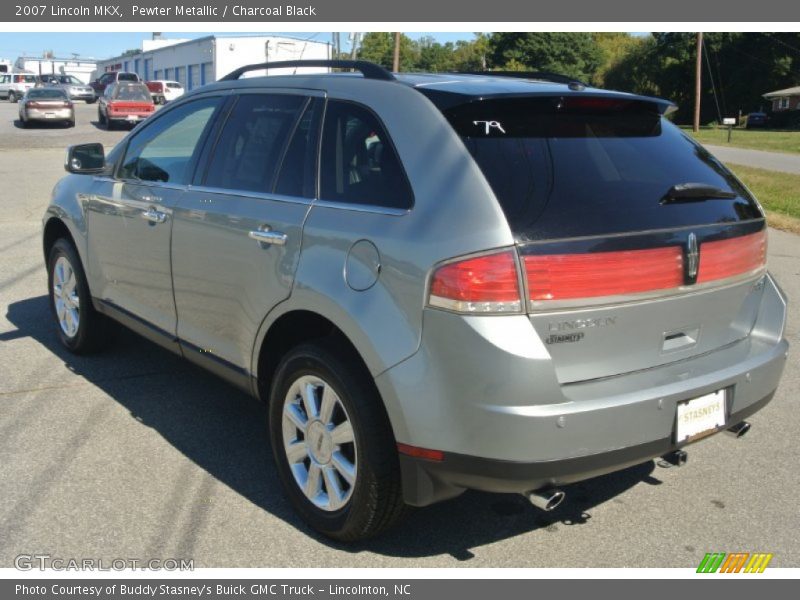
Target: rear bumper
{"points": [[489, 399], [426, 482], [57, 114]]}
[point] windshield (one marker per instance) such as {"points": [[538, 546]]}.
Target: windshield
{"points": [[574, 166], [132, 93]]}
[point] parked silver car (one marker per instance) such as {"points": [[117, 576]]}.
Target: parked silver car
{"points": [[46, 105], [74, 87], [438, 282]]}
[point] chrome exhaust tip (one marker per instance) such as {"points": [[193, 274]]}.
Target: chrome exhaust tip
{"points": [[546, 500], [676, 458], [739, 430]]}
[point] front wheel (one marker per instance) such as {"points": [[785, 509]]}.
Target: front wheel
{"points": [[333, 445], [80, 328]]}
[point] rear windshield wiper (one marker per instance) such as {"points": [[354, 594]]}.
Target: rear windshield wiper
{"points": [[696, 192]]}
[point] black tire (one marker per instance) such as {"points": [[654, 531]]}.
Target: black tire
{"points": [[94, 330], [70, 123], [24, 123], [100, 116], [92, 101], [12, 97], [376, 500]]}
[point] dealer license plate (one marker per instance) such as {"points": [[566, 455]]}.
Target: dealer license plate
{"points": [[700, 416], [49, 115]]}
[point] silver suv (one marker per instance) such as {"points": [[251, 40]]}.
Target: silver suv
{"points": [[437, 282], [14, 85]]}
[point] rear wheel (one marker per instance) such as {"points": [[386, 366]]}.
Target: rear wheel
{"points": [[12, 97], [80, 328], [100, 116], [333, 445]]}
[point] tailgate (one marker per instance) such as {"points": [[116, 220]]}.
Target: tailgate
{"points": [[638, 248], [637, 302]]}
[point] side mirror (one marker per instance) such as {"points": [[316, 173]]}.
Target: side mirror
{"points": [[85, 158]]}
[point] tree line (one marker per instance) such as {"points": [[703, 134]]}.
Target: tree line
{"points": [[737, 67]]}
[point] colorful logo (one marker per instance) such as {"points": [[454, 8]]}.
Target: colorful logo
{"points": [[737, 562]]}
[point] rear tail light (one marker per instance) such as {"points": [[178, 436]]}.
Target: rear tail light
{"points": [[735, 256], [31, 104], [490, 283], [570, 276], [481, 284]]}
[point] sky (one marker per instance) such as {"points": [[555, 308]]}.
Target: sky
{"points": [[106, 45]]}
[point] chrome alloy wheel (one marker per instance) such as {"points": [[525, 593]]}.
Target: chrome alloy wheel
{"points": [[65, 296], [319, 443]]}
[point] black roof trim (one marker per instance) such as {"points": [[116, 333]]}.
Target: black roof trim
{"points": [[540, 75], [368, 69]]}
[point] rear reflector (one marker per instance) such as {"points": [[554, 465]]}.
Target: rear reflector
{"points": [[569, 276], [483, 284], [415, 452], [735, 256]]}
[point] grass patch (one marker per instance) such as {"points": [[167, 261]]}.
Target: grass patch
{"points": [[754, 139], [778, 193]]}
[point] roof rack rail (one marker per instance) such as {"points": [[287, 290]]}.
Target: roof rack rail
{"points": [[543, 75], [368, 69]]}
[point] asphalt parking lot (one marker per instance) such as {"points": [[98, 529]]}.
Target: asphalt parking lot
{"points": [[137, 454]]}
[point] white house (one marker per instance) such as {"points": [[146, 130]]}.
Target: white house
{"points": [[205, 60]]}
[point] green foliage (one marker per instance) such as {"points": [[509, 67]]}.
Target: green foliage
{"points": [[743, 66], [378, 47], [570, 53]]}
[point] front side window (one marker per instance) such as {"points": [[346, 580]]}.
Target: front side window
{"points": [[164, 148], [250, 146], [359, 164]]}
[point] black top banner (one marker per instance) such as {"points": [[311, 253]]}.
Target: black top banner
{"points": [[496, 11]]}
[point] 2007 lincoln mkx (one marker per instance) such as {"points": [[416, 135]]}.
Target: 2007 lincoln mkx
{"points": [[437, 282]]}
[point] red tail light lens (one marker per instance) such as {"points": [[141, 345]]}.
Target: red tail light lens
{"points": [[736, 256], [483, 284], [569, 276]]}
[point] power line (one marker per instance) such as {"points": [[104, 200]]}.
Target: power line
{"points": [[711, 76], [780, 41]]}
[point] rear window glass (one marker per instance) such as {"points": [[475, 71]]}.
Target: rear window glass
{"points": [[127, 77], [132, 93], [47, 93], [587, 166]]}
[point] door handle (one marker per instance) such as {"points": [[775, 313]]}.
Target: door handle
{"points": [[274, 238], [154, 216]]}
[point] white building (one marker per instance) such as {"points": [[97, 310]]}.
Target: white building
{"points": [[205, 60], [79, 67]]}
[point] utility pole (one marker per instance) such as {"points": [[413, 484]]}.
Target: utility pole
{"points": [[698, 81], [396, 61], [354, 49]]}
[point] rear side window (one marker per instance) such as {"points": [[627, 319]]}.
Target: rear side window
{"points": [[250, 146], [163, 149], [359, 164], [574, 166]]}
